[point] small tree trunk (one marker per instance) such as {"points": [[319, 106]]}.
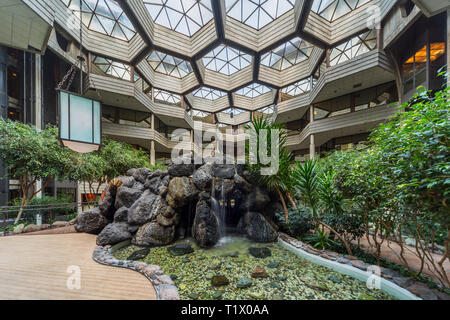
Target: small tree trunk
{"points": [[344, 242], [286, 213], [291, 200]]}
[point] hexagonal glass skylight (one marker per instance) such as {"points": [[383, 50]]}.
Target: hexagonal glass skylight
{"points": [[112, 68], [287, 54], [104, 16], [254, 90], [199, 113], [208, 93], [233, 111], [335, 9], [354, 47], [184, 16], [298, 88], [166, 97], [226, 60], [257, 13], [170, 65]]}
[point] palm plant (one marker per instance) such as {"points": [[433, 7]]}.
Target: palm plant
{"points": [[330, 199], [279, 181]]}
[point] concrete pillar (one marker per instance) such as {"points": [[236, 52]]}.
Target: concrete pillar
{"points": [[312, 148], [4, 186], [79, 207], [152, 144], [38, 106]]}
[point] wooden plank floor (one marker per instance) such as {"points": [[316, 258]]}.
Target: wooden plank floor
{"points": [[35, 267]]}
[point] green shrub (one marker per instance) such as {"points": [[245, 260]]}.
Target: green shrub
{"points": [[300, 222]]}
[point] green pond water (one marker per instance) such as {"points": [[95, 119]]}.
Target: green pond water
{"points": [[289, 276]]}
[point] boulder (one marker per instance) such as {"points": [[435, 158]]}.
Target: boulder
{"points": [[144, 209], [202, 177], [31, 228], [259, 273], [181, 170], [260, 252], [181, 191], [242, 184], [205, 228], [180, 249], [141, 174], [257, 228], [257, 200], [157, 182], [60, 224], [127, 181], [224, 171], [113, 233], [153, 233], [139, 254], [223, 185], [219, 280], [126, 196], [90, 221], [19, 228], [106, 206], [121, 215]]}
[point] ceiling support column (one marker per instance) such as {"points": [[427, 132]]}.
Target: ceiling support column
{"points": [[38, 106], [152, 143], [312, 148]]}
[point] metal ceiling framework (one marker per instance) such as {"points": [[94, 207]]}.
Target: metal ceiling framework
{"points": [[218, 10]]}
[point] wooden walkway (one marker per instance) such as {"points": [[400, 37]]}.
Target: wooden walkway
{"points": [[35, 267]]}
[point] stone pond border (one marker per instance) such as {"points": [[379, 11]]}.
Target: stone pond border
{"points": [[163, 284], [391, 281]]}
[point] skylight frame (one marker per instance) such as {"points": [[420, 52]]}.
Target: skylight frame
{"points": [[169, 65], [354, 47], [173, 15], [112, 68], [226, 60], [209, 93], [253, 90], [320, 6], [109, 12], [288, 54], [166, 97], [233, 111], [255, 13], [298, 88]]}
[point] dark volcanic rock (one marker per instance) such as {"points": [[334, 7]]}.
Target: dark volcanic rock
{"points": [[180, 249], [260, 252], [257, 200], [113, 233], [257, 228], [126, 196], [205, 228], [181, 170], [90, 221], [181, 191], [144, 209], [219, 280], [121, 215], [202, 177], [224, 171], [153, 233], [139, 254], [141, 174], [106, 206]]}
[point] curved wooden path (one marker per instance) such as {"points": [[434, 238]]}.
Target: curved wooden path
{"points": [[36, 267]]}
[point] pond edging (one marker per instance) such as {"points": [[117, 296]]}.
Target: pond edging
{"points": [[345, 266], [164, 286]]}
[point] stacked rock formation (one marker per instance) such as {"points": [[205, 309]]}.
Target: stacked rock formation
{"points": [[157, 208]]}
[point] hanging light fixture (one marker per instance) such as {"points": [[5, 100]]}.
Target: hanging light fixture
{"points": [[80, 118]]}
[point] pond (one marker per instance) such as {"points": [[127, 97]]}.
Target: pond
{"points": [[280, 276]]}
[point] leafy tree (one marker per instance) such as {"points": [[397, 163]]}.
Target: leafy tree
{"points": [[31, 155]]}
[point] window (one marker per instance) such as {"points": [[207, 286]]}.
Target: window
{"points": [[226, 60], [287, 55], [104, 16], [167, 97], [254, 90], [13, 84], [335, 9], [126, 117], [298, 88], [167, 64], [353, 48], [185, 17], [208, 93], [112, 68], [257, 13]]}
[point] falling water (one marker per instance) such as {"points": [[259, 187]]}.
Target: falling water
{"points": [[219, 208]]}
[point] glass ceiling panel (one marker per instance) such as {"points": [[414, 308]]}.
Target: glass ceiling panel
{"points": [[226, 60], [166, 97], [298, 88], [112, 68], [184, 16], [170, 65], [287, 55], [233, 111], [104, 16], [199, 113], [254, 90], [354, 47], [257, 13], [208, 93], [335, 9]]}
